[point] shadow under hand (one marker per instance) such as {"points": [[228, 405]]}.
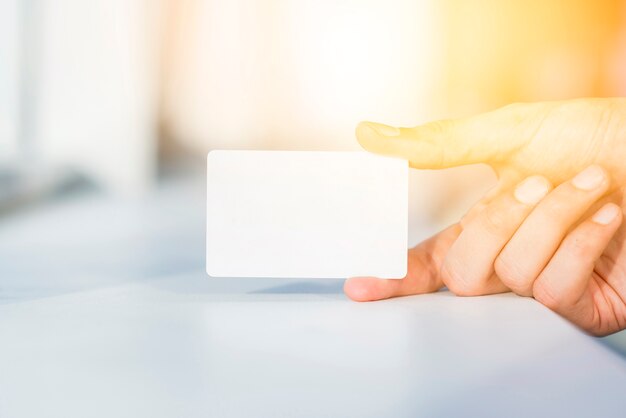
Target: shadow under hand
{"points": [[309, 286]]}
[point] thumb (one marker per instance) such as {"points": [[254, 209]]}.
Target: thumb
{"points": [[487, 138]]}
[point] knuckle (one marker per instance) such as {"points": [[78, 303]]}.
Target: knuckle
{"points": [[458, 283], [554, 209], [439, 127], [545, 295], [512, 275], [579, 248], [494, 220], [472, 214]]}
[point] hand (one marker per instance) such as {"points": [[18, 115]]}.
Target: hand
{"points": [[529, 239], [555, 139]]}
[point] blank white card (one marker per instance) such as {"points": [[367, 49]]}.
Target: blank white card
{"points": [[306, 214]]}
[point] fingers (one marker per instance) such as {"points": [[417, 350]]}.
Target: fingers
{"points": [[506, 182], [563, 285], [488, 138], [424, 262], [536, 240], [468, 266]]}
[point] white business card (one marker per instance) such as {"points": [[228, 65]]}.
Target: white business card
{"points": [[297, 214]]}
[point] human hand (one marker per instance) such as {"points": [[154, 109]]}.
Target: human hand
{"points": [[553, 139], [531, 240]]}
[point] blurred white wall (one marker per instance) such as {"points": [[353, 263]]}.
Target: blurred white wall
{"points": [[298, 74], [288, 74], [97, 81], [9, 79]]}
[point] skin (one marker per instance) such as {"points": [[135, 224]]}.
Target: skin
{"points": [[555, 245]]}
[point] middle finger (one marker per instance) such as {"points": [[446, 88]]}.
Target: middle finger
{"points": [[534, 243]]}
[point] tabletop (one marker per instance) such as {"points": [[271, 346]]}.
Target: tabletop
{"points": [[105, 310]]}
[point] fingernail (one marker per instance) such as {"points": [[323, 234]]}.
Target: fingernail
{"points": [[590, 178], [606, 215], [384, 130], [532, 190]]}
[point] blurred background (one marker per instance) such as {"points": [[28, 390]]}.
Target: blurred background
{"points": [[108, 108], [116, 91]]}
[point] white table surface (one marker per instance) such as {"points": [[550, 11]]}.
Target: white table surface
{"points": [[105, 311]]}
